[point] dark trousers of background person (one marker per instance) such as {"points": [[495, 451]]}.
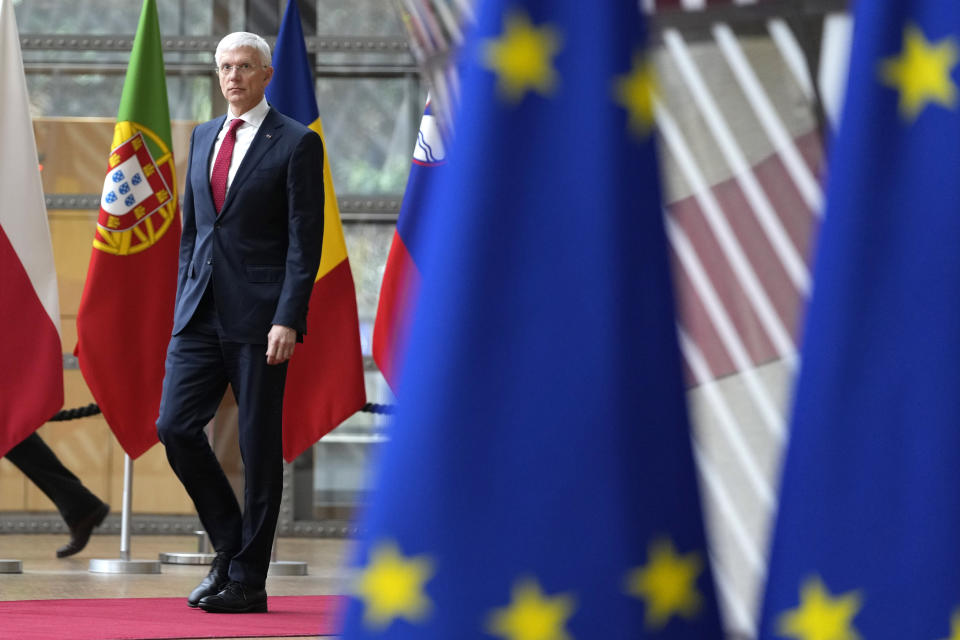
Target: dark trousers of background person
{"points": [[198, 368], [42, 466]]}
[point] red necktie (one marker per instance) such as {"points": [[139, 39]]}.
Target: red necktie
{"points": [[221, 167]]}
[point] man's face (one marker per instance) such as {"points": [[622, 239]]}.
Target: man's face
{"points": [[244, 85]]}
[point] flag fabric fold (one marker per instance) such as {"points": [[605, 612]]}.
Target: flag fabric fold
{"points": [[539, 481], [126, 311], [401, 276], [325, 383], [865, 544], [31, 380]]}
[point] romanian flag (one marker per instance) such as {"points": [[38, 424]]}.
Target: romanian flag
{"points": [[401, 278], [866, 539], [126, 312], [325, 384], [31, 378], [539, 482]]}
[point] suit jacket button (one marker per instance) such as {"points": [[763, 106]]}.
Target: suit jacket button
{"points": [[209, 261], [216, 226]]}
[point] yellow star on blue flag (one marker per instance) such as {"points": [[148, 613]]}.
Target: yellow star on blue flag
{"points": [[820, 615], [921, 73], [392, 586], [667, 583], [532, 615], [522, 57], [635, 92]]}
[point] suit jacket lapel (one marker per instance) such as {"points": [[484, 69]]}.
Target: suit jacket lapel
{"points": [[267, 134], [206, 139]]}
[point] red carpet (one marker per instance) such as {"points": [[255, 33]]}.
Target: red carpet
{"points": [[151, 618]]}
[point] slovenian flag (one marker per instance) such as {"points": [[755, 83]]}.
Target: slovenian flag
{"points": [[401, 278]]}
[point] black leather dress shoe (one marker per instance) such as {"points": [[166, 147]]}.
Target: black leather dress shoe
{"points": [[81, 529], [236, 597], [215, 581]]}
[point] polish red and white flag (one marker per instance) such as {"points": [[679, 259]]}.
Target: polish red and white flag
{"points": [[31, 362]]}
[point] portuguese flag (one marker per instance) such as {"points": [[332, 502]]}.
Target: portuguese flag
{"points": [[325, 378], [126, 312]]}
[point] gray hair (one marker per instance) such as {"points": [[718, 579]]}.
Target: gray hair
{"points": [[244, 39]]}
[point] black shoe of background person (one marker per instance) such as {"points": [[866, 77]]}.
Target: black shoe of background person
{"points": [[215, 581], [81, 529], [236, 597]]}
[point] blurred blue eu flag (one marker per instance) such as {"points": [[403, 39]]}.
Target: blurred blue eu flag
{"points": [[867, 543], [539, 482]]}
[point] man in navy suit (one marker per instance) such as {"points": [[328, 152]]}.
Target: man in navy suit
{"points": [[249, 254]]}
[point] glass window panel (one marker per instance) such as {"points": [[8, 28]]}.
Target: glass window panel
{"points": [[370, 126], [190, 97], [74, 95], [90, 57], [98, 95], [358, 17], [110, 17], [388, 57], [367, 246], [171, 59]]}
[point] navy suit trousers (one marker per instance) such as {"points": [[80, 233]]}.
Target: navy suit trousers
{"points": [[199, 366]]}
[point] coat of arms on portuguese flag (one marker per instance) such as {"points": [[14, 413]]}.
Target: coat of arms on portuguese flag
{"points": [[136, 187]]}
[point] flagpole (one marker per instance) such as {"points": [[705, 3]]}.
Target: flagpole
{"points": [[285, 567], [201, 556], [127, 503], [124, 564]]}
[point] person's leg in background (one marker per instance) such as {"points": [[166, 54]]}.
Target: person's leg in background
{"points": [[80, 509]]}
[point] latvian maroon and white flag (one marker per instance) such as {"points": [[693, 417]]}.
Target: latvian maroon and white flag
{"points": [[31, 365]]}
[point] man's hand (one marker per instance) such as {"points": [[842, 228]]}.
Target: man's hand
{"points": [[280, 343]]}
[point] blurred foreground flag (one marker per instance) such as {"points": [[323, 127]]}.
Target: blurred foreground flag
{"points": [[539, 482], [31, 378], [401, 278], [325, 381], [866, 543]]}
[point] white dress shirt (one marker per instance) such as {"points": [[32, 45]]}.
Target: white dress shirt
{"points": [[245, 134]]}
